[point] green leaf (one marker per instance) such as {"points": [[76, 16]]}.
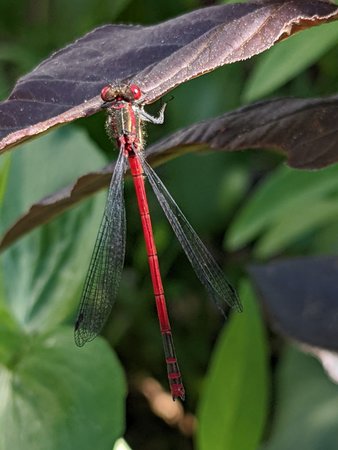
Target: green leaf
{"points": [[10, 336], [288, 228], [278, 198], [43, 273], [45, 165], [233, 408], [20, 55], [306, 406], [4, 171], [287, 59], [55, 396], [325, 240]]}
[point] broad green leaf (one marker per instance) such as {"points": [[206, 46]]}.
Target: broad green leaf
{"points": [[14, 53], [4, 85], [43, 273], [10, 336], [280, 196], [55, 396], [325, 240], [203, 211], [232, 189], [4, 171], [233, 408], [45, 165], [306, 407], [287, 59], [288, 228]]}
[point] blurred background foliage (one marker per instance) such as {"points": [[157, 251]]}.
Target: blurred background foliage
{"points": [[246, 206]]}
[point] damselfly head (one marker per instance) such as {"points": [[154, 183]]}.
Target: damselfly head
{"points": [[106, 93], [122, 92], [136, 91]]}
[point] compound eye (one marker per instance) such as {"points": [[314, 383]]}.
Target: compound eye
{"points": [[107, 93], [136, 91]]}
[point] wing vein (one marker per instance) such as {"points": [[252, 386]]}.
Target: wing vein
{"points": [[204, 265], [105, 268]]}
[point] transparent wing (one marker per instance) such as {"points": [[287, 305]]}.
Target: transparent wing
{"points": [[105, 269], [206, 268]]}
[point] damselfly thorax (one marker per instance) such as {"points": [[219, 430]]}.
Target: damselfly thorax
{"points": [[126, 115]]}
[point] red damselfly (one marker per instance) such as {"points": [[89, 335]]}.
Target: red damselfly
{"points": [[125, 120]]}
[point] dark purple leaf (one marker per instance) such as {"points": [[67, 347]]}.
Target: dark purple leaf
{"points": [[158, 58], [305, 130], [300, 298]]}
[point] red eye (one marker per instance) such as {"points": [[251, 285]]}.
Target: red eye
{"points": [[136, 91], [106, 93]]}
